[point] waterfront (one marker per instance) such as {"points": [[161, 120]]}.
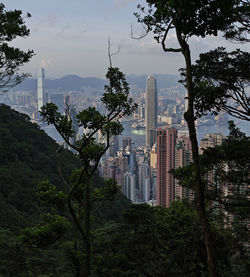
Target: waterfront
{"points": [[138, 135]]}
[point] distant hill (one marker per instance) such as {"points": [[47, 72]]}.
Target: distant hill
{"points": [[163, 80], [76, 83]]}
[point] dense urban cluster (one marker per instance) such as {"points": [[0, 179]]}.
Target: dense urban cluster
{"points": [[142, 171]]}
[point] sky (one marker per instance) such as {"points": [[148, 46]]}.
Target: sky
{"points": [[71, 37]]}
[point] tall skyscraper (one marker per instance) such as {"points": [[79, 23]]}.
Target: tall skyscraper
{"points": [[151, 111], [40, 89], [166, 141]]}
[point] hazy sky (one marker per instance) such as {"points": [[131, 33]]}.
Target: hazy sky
{"points": [[70, 37]]}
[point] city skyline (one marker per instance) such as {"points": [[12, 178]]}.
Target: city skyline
{"points": [[73, 38]]}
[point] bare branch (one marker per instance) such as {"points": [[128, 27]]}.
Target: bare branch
{"points": [[114, 53], [164, 41], [146, 31]]}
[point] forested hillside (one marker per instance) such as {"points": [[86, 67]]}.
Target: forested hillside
{"points": [[38, 238], [27, 157]]}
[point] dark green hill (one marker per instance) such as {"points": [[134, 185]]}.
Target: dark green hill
{"points": [[28, 156]]}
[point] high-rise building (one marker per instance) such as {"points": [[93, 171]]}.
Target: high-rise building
{"points": [[129, 186], [183, 157], [151, 111], [166, 141], [114, 146], [40, 89], [143, 182], [211, 140], [153, 168], [126, 141]]}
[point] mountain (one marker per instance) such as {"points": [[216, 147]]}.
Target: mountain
{"points": [[76, 83], [163, 80], [27, 157], [68, 82]]}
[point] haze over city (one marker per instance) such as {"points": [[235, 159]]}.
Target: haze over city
{"points": [[71, 38]]}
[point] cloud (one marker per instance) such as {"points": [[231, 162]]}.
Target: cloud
{"points": [[150, 46], [66, 27], [51, 20], [121, 3]]}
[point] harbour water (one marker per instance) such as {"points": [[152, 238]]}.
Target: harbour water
{"points": [[138, 135]]}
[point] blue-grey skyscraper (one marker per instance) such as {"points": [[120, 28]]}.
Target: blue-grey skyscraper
{"points": [[40, 89], [151, 111]]}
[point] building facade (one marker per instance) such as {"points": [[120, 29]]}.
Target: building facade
{"points": [[166, 142], [183, 157], [40, 89], [151, 111]]}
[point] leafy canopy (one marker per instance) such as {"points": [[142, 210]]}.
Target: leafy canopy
{"points": [[199, 18], [221, 81], [12, 25]]}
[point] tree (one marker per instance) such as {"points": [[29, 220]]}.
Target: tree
{"points": [[239, 30], [226, 170], [188, 19], [156, 241], [11, 58], [118, 103], [221, 80]]}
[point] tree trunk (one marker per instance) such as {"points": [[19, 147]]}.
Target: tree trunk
{"points": [[200, 188]]}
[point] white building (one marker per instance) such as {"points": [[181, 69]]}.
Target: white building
{"points": [[40, 89]]}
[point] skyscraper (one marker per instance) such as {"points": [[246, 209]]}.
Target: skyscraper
{"points": [[183, 157], [151, 111], [166, 141], [114, 146], [40, 89]]}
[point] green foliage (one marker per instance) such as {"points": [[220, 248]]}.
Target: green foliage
{"points": [[50, 195], [227, 193], [27, 158], [116, 97], [47, 233], [90, 118], [81, 195], [108, 191], [220, 83], [151, 241], [199, 18], [12, 26], [240, 31]]}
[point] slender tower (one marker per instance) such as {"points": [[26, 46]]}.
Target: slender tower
{"points": [[151, 111], [40, 89]]}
